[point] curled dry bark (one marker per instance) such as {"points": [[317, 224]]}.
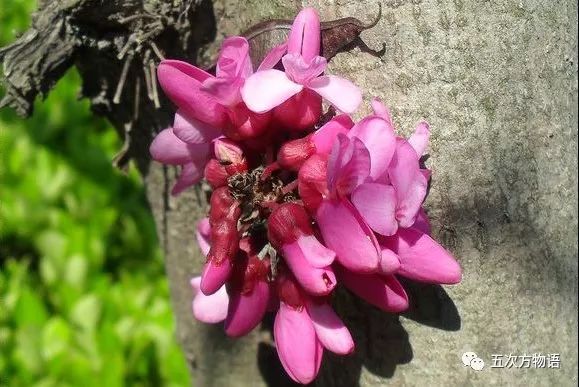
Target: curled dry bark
{"points": [[504, 140]]}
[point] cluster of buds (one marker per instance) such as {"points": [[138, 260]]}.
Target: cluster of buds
{"points": [[302, 201]]}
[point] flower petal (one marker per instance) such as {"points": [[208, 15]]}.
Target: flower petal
{"points": [[324, 137], [348, 236], [419, 139], [234, 60], [410, 184], [273, 57], [224, 90], [209, 309], [423, 259], [299, 357], [382, 111], [214, 276], [182, 84], [191, 174], [341, 93], [203, 235], [247, 310], [305, 34], [168, 149], [267, 89], [422, 223], [377, 205], [193, 131], [315, 253], [300, 71], [384, 292], [330, 329], [389, 262], [379, 138], [348, 165], [316, 281]]}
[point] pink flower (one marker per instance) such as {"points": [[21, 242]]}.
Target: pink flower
{"points": [[290, 231], [266, 90], [209, 309], [167, 148], [303, 327]]}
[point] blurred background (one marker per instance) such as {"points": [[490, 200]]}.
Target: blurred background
{"points": [[83, 295]]}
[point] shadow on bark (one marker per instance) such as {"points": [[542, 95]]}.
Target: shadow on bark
{"points": [[382, 343]]}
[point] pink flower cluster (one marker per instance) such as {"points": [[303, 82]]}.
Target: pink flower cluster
{"points": [[301, 202]]}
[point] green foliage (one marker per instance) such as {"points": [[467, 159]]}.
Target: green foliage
{"points": [[83, 295]]}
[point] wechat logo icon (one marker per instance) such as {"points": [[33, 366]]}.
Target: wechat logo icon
{"points": [[470, 359]]}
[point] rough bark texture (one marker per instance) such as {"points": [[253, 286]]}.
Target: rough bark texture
{"points": [[497, 80]]}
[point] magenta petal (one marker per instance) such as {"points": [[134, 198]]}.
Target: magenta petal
{"points": [[422, 223], [343, 94], [377, 205], [247, 310], [193, 131], [182, 84], [168, 149], [300, 71], [423, 259], [389, 263], [191, 174], [305, 34], [203, 235], [382, 111], [348, 165], [379, 138], [224, 90], [331, 331], [209, 309], [267, 89], [273, 57], [315, 253], [297, 346], [348, 236], [384, 292], [419, 139], [410, 184], [214, 276], [234, 60], [316, 281], [324, 137]]}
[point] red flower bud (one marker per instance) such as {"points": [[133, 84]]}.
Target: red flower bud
{"points": [[230, 155], [300, 112], [312, 184], [216, 174], [294, 153], [287, 223], [223, 207]]}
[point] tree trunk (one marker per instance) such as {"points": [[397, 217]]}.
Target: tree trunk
{"points": [[497, 80]]}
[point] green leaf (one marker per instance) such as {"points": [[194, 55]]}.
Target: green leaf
{"points": [[55, 337]]}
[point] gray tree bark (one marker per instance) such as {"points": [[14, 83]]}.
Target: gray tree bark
{"points": [[497, 80]]}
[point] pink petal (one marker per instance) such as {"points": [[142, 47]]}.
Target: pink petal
{"points": [[410, 184], [168, 149], [273, 57], [423, 259], [182, 84], [234, 60], [379, 138], [389, 263], [247, 310], [191, 174], [341, 93], [348, 236], [419, 139], [214, 276], [384, 292], [377, 205], [203, 235], [330, 329], [316, 281], [348, 165], [193, 131], [422, 223], [324, 137], [297, 346], [382, 111], [305, 34], [224, 90], [267, 89], [300, 71], [315, 253], [209, 309]]}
